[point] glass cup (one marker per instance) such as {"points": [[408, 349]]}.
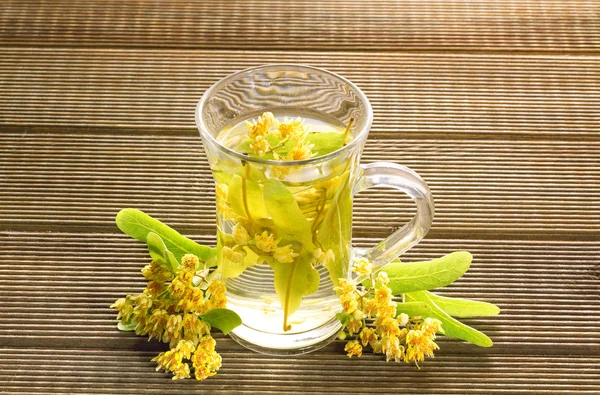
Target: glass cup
{"points": [[284, 228]]}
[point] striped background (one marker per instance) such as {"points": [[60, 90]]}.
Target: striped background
{"points": [[495, 103]]}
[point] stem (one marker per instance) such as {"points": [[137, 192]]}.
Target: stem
{"points": [[286, 307], [347, 131], [244, 188], [280, 144]]}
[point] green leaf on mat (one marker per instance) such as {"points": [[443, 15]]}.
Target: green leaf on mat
{"points": [[127, 327], [451, 327], [464, 307], [160, 254], [222, 319], [418, 276], [413, 309], [138, 224]]}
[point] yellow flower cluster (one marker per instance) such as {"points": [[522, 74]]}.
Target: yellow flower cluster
{"points": [[205, 360], [398, 336], [293, 130], [263, 243], [170, 310]]}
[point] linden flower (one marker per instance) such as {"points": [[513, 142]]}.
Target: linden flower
{"points": [[261, 126], [190, 263], [353, 348], [347, 294], [173, 327], [430, 326], [154, 288], [382, 278], [300, 151], [362, 267], [206, 360], [232, 255], [217, 294], [281, 171], [368, 336], [403, 319], [157, 273], [266, 242], [322, 258], [221, 198], [293, 129], [240, 235], [370, 308], [419, 345], [259, 145], [393, 349], [177, 288], [285, 254], [124, 308], [158, 321], [353, 326], [171, 361]]}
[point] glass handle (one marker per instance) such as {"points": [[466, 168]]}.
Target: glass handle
{"points": [[406, 180]]}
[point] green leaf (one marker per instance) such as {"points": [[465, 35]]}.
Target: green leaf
{"points": [[160, 254], [413, 309], [451, 327], [286, 214], [418, 276], [138, 224], [246, 198], [325, 143], [293, 281], [273, 140], [335, 232], [343, 317], [463, 307], [223, 319], [127, 327]]}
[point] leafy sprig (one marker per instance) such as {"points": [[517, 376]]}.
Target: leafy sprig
{"points": [[413, 282], [181, 303]]}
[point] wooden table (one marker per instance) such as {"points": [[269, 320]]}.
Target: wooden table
{"points": [[494, 103]]}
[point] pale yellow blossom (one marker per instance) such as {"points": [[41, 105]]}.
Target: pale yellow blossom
{"points": [[240, 235], [261, 126], [284, 254], [382, 278], [362, 267], [266, 242], [300, 151], [403, 319], [259, 145], [230, 254], [190, 263], [293, 129], [353, 348], [368, 336]]}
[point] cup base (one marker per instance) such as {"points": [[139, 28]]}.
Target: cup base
{"points": [[286, 344]]}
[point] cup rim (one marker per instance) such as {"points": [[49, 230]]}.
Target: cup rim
{"points": [[359, 137]]}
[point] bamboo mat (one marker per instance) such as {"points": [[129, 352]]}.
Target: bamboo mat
{"points": [[495, 103]]}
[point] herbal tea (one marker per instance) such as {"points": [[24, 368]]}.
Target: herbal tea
{"points": [[284, 232]]}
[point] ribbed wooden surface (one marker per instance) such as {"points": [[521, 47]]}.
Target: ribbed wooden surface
{"points": [[511, 95], [495, 103], [514, 25]]}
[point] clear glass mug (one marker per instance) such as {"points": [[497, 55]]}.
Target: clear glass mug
{"points": [[286, 299]]}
